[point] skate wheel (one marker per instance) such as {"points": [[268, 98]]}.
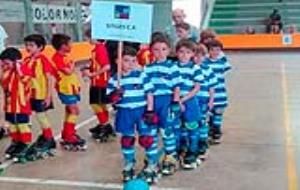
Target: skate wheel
{"points": [[7, 156]]}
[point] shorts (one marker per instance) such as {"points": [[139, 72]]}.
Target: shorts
{"points": [[16, 118], [161, 108], [98, 95], [39, 106], [128, 121], [192, 110], [69, 99]]}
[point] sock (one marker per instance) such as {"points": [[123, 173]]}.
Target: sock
{"points": [[14, 133], [25, 133], [45, 125], [69, 126], [101, 112]]}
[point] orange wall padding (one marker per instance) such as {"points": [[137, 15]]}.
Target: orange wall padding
{"points": [[258, 41], [80, 51]]}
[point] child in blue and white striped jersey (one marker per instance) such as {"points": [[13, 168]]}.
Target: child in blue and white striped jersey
{"points": [[205, 98], [191, 77], [133, 100], [164, 75], [220, 66]]}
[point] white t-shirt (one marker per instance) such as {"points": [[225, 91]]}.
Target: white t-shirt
{"points": [[3, 36]]}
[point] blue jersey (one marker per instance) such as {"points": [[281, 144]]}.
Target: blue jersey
{"points": [[164, 76], [190, 75], [136, 85], [219, 67], [210, 81]]}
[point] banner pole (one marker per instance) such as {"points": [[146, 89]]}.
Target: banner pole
{"points": [[119, 62]]}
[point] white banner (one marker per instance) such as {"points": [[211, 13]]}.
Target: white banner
{"points": [[53, 14]]}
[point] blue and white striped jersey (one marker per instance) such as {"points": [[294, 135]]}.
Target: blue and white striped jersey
{"points": [[210, 81], [190, 74], [135, 85], [164, 76], [219, 67]]}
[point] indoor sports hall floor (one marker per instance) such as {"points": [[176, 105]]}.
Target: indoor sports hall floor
{"points": [[261, 148]]}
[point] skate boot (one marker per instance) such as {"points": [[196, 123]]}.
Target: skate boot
{"points": [[189, 161], [128, 175], [42, 149], [96, 129], [11, 150], [3, 132], [203, 151], [149, 175], [75, 143], [215, 136], [21, 152], [105, 133], [169, 165]]}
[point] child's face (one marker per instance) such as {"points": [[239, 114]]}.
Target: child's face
{"points": [[160, 51], [129, 63], [185, 54], [182, 33], [198, 58], [9, 64], [66, 47], [214, 52], [32, 48]]}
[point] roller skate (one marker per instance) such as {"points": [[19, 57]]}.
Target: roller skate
{"points": [[215, 136], [104, 133], [3, 132], [42, 149], [169, 165], [75, 143], [128, 175], [203, 151], [11, 150], [150, 175], [20, 153], [189, 161]]}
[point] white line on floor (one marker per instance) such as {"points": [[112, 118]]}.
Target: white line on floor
{"points": [[79, 125], [38, 181]]}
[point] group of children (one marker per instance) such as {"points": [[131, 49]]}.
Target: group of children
{"points": [[179, 99]]}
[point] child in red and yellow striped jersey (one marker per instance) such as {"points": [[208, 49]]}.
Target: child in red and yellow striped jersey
{"points": [[41, 84], [68, 88], [16, 84]]}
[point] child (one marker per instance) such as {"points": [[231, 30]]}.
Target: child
{"points": [[41, 85], [68, 88], [165, 77], [205, 98], [15, 80], [99, 72], [130, 98], [191, 78], [220, 67], [183, 31]]}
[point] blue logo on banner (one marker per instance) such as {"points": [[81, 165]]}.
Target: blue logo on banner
{"points": [[122, 12]]}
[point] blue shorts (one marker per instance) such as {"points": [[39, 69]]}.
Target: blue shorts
{"points": [[130, 120], [192, 110], [203, 105], [16, 118], [161, 108], [39, 105], [69, 99]]}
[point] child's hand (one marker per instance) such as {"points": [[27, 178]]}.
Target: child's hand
{"points": [[86, 73], [182, 107], [211, 104], [47, 101]]}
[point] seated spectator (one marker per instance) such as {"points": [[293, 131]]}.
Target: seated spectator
{"points": [[274, 19], [292, 29], [207, 35], [183, 32], [249, 30], [275, 29]]}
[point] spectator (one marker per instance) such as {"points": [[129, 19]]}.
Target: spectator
{"points": [[3, 38], [275, 29], [274, 21], [178, 17], [183, 30], [249, 30], [292, 29], [207, 35]]}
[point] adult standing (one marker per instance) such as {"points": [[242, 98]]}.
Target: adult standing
{"points": [[3, 38], [178, 17]]}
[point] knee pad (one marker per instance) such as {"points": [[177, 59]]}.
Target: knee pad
{"points": [[191, 125], [219, 111], [127, 141], [146, 141]]}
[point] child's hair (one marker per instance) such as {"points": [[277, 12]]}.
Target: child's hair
{"points": [[201, 49], [184, 26], [187, 44], [130, 51], [159, 37], [58, 40], [214, 43], [207, 34], [11, 54], [38, 39]]}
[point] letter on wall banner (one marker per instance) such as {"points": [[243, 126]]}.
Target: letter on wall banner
{"points": [[121, 21], [53, 14]]}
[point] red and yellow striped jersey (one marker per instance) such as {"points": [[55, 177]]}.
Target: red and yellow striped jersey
{"points": [[41, 66], [99, 59], [65, 84]]}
